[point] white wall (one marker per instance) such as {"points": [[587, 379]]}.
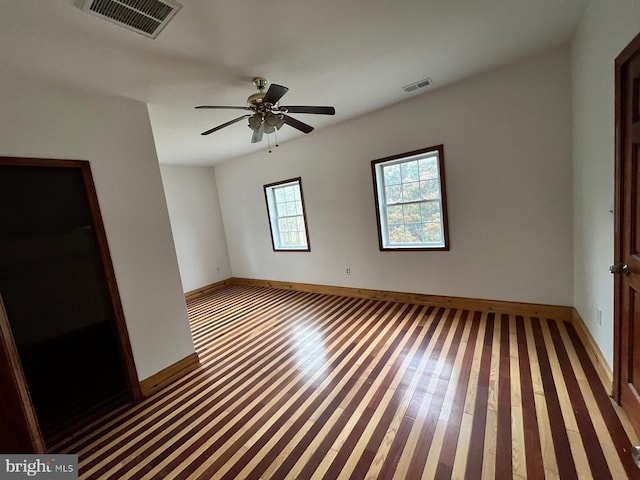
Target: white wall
{"points": [[607, 27], [506, 136], [115, 136], [196, 221]]}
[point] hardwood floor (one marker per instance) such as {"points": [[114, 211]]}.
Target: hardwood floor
{"points": [[304, 385]]}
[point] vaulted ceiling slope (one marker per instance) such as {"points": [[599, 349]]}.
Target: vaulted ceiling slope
{"points": [[355, 55]]}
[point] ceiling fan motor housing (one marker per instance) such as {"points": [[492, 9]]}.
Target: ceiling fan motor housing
{"points": [[255, 99]]}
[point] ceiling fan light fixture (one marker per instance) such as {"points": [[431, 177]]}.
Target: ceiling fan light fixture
{"points": [[255, 121], [274, 120]]}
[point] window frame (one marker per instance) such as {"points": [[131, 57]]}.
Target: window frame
{"points": [[383, 230], [273, 219]]}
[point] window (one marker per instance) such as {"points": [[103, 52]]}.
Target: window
{"points": [[287, 219], [410, 200]]}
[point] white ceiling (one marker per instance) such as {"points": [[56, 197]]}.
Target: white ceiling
{"points": [[352, 54]]}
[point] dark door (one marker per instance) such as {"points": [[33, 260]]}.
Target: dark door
{"points": [[59, 294], [627, 280]]}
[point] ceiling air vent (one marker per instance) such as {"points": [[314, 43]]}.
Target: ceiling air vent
{"points": [[416, 85], [147, 17]]}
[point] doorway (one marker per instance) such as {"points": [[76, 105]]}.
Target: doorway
{"points": [[626, 387], [60, 296]]}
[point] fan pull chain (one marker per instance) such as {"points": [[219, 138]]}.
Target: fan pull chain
{"points": [[269, 143], [275, 134]]}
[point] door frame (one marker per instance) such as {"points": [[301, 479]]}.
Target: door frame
{"points": [[619, 333], [126, 354], [18, 416]]}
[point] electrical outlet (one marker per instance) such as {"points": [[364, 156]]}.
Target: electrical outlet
{"points": [[599, 316], [347, 270]]}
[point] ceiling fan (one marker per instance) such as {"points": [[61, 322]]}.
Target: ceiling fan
{"points": [[268, 115]]}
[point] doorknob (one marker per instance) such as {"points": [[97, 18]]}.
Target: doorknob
{"points": [[620, 268]]}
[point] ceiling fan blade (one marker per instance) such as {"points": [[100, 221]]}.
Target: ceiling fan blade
{"points": [[303, 127], [222, 106], [307, 109], [257, 134], [230, 122], [274, 93]]}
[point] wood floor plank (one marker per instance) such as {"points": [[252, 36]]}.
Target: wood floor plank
{"points": [[387, 459], [466, 422], [155, 411], [532, 447], [459, 389], [300, 396], [196, 413], [304, 385], [205, 407], [122, 423], [397, 434], [393, 406], [504, 439], [337, 435], [614, 424], [559, 433], [476, 450], [227, 407], [426, 446], [518, 448], [366, 415], [545, 438], [253, 456], [576, 443], [614, 466], [595, 455], [303, 445], [488, 459]]}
